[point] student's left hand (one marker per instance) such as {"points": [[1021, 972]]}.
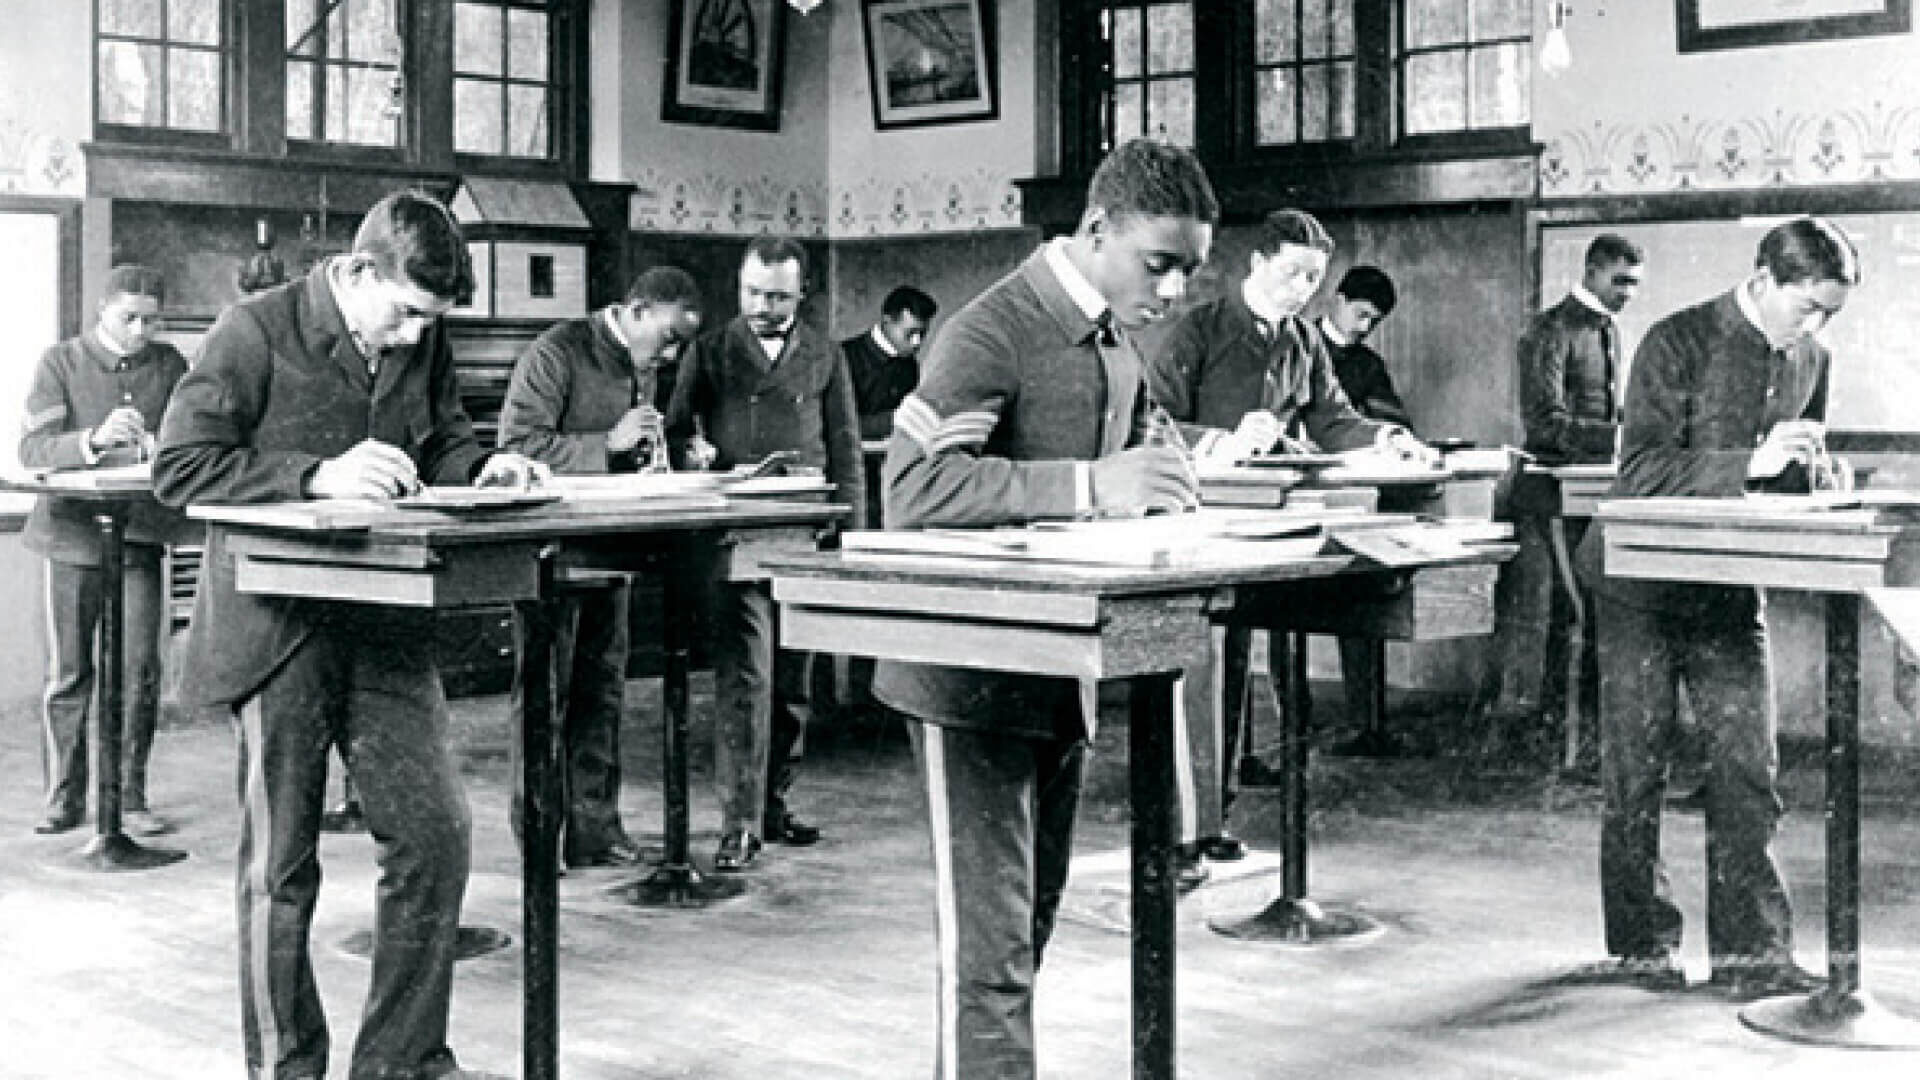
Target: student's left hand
{"points": [[509, 470], [1400, 442]]}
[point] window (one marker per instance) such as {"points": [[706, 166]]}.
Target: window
{"points": [[344, 78], [161, 64], [1303, 63], [1153, 84], [502, 78], [1464, 65]]}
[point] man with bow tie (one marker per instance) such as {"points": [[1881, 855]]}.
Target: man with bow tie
{"points": [[759, 383]]}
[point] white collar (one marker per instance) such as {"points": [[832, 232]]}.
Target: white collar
{"points": [[1259, 306], [1079, 289], [1743, 296], [108, 343], [880, 342], [613, 327], [1333, 332], [1585, 295]]}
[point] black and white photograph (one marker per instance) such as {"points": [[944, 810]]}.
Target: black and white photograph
{"points": [[959, 539]]}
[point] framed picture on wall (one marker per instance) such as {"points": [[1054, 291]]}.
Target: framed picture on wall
{"points": [[723, 63], [1737, 24], [930, 61]]}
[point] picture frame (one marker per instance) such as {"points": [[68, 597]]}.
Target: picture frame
{"points": [[931, 61], [1705, 25], [725, 63]]}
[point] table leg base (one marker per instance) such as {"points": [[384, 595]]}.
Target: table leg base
{"points": [[1827, 1019], [469, 942], [114, 853], [678, 885], [1302, 922]]}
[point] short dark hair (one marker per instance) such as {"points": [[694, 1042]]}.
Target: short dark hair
{"points": [[908, 298], [1809, 249], [415, 241], [774, 250], [132, 279], [1149, 178], [664, 285], [1610, 248], [1296, 227], [1369, 283]]}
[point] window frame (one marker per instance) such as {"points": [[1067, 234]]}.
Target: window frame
{"points": [[1248, 39], [340, 149], [1507, 137], [566, 99], [162, 135]]}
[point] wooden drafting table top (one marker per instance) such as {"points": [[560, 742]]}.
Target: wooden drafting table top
{"points": [[1851, 512], [123, 483]]}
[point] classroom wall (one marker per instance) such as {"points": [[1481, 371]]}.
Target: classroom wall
{"points": [[46, 109], [1635, 116]]}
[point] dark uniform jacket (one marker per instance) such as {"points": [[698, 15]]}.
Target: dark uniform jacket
{"points": [[1705, 390], [1363, 377], [880, 381], [749, 406], [569, 388], [76, 385], [278, 387], [1567, 385], [1214, 368], [1013, 393]]}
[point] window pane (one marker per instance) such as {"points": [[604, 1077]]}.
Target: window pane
{"points": [[136, 18], [1316, 32], [300, 16], [476, 39], [1170, 110], [1126, 43], [1169, 38], [1500, 85], [1501, 18], [299, 100], [1273, 32], [1315, 98], [1344, 110], [527, 121], [333, 124], [1436, 87], [130, 91], [476, 117], [527, 45], [368, 93], [193, 90], [373, 31], [1129, 118], [1342, 18], [196, 21], [1436, 22], [1273, 92]]}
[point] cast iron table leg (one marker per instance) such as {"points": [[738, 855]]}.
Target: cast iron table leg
{"points": [[1842, 1013], [675, 882], [1293, 917], [1155, 892], [540, 830], [112, 849]]}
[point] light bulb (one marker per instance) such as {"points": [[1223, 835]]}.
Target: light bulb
{"points": [[1555, 56], [804, 7]]}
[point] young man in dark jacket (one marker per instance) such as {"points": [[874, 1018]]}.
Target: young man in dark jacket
{"points": [[1032, 405], [340, 385], [95, 401], [586, 397], [763, 382], [884, 361]]}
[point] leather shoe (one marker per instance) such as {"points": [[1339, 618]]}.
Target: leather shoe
{"points": [[144, 823], [737, 852], [1751, 982], [1189, 870], [345, 817], [618, 853], [787, 829], [1654, 971], [1223, 846], [59, 821]]}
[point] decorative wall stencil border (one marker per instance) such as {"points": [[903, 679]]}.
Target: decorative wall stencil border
{"points": [[36, 163], [722, 203], [1689, 153]]}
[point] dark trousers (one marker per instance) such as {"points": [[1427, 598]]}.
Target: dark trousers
{"points": [[760, 694], [590, 637], [1000, 810], [1534, 613], [1717, 650], [74, 602], [381, 696]]}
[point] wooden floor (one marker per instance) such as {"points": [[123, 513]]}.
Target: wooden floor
{"points": [[1483, 878]]}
